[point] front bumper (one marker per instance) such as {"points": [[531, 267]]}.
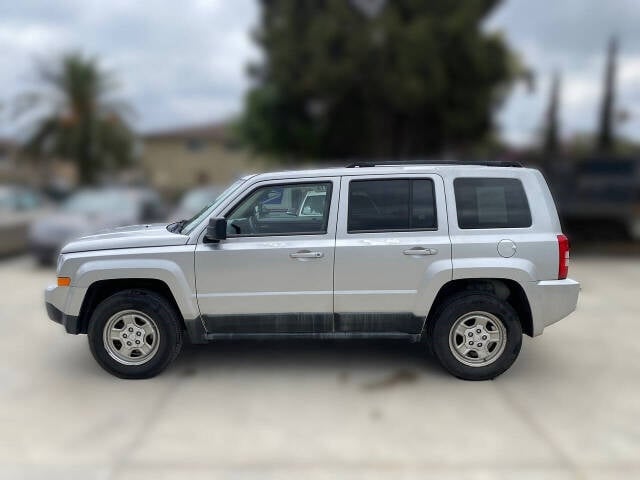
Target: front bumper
{"points": [[63, 306], [70, 322], [551, 301]]}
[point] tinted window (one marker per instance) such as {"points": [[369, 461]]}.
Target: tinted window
{"points": [[301, 208], [382, 205], [423, 205], [491, 203]]}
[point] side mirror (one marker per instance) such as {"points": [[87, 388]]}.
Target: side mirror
{"points": [[216, 230]]}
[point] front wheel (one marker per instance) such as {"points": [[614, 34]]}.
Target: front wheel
{"points": [[475, 336], [135, 334]]}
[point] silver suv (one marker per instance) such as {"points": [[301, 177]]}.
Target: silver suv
{"points": [[465, 258]]}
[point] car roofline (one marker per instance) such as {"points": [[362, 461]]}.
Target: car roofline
{"points": [[385, 169]]}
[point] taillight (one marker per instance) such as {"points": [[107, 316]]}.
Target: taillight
{"points": [[563, 257]]}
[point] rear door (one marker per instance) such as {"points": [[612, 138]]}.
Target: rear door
{"points": [[391, 230]]}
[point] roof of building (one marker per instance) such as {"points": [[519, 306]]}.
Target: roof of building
{"points": [[212, 131]]}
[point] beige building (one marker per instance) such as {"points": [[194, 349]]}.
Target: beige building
{"points": [[178, 159], [170, 160], [17, 166], [7, 160]]}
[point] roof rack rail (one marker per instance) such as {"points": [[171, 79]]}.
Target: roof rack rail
{"points": [[393, 163]]}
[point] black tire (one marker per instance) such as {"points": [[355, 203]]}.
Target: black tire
{"points": [[163, 314], [444, 319]]}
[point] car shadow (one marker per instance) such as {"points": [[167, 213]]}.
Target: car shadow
{"points": [[401, 362]]}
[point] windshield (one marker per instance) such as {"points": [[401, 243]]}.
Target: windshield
{"points": [[194, 221], [96, 201], [194, 200]]}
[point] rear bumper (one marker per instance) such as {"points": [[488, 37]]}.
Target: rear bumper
{"points": [[551, 301]]}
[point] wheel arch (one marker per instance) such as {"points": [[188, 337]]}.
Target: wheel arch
{"points": [[181, 284], [102, 289], [503, 288]]}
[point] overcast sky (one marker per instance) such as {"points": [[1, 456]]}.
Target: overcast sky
{"points": [[185, 62]]}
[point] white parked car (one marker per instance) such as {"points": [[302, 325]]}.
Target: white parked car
{"points": [[465, 258], [195, 200], [89, 211], [19, 208], [312, 204]]}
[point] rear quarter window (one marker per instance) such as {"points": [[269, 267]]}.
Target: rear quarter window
{"points": [[491, 203]]}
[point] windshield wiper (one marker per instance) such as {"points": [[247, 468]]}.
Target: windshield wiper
{"points": [[177, 227]]}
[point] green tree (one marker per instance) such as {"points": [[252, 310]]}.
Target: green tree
{"points": [[395, 79], [75, 116]]}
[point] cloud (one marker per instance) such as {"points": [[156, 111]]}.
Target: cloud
{"points": [[573, 30], [177, 62], [570, 36], [185, 62]]}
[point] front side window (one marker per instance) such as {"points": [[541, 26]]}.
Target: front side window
{"points": [[292, 209], [491, 203], [391, 205]]}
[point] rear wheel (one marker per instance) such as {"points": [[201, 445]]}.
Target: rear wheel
{"points": [[135, 334], [475, 336]]}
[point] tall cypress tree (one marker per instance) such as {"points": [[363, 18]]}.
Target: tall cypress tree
{"points": [[552, 125], [605, 132]]}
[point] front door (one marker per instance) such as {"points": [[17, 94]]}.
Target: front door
{"points": [[392, 240], [274, 272]]}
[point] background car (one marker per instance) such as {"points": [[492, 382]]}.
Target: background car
{"points": [[312, 204], [89, 211], [195, 200], [19, 206]]}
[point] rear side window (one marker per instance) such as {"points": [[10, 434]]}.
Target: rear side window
{"points": [[491, 203], [391, 205]]}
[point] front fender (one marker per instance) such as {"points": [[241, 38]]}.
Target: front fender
{"points": [[166, 271]]}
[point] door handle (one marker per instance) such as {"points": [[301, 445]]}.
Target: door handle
{"points": [[306, 254], [420, 251]]}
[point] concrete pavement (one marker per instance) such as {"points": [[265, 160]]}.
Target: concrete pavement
{"points": [[568, 409]]}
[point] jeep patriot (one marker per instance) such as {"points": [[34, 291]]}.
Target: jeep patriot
{"points": [[465, 258]]}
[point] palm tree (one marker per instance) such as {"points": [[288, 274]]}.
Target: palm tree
{"points": [[75, 117]]}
